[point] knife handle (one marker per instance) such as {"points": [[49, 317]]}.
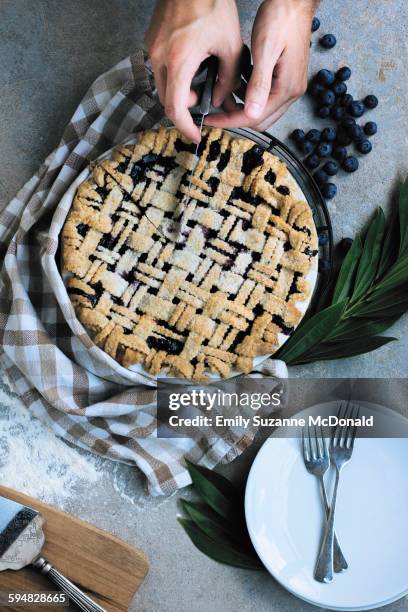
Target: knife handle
{"points": [[84, 602], [206, 96]]}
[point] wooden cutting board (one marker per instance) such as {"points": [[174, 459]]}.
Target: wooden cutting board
{"points": [[105, 567]]}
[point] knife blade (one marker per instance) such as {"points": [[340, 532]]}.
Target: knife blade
{"points": [[21, 542]]}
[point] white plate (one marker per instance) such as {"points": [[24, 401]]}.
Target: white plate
{"points": [[311, 277], [284, 517]]}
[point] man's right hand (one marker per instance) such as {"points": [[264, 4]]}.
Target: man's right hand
{"points": [[180, 36]]}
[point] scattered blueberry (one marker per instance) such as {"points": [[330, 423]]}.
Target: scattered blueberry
{"points": [[317, 89], [312, 162], [320, 177], [315, 24], [313, 135], [344, 73], [337, 112], [350, 164], [364, 146], [327, 97], [329, 134], [347, 123], [371, 101], [324, 149], [306, 146], [356, 109], [340, 153], [339, 88], [347, 99], [331, 168], [323, 238], [355, 132], [370, 128], [346, 243], [328, 41], [297, 135], [343, 139], [329, 190], [325, 77], [323, 112]]}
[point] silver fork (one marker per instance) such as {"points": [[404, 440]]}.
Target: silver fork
{"points": [[341, 449], [317, 462]]}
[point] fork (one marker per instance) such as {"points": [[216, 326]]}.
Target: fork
{"points": [[341, 449], [317, 462]]}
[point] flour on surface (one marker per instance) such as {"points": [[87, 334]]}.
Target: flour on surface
{"points": [[34, 461]]}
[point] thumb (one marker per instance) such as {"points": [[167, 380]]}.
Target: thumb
{"points": [[259, 86]]}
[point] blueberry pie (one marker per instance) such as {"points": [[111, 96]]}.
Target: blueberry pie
{"points": [[186, 267]]}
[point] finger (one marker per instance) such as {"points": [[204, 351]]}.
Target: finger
{"points": [[265, 57], [192, 98], [266, 123], [228, 76], [179, 77], [235, 118]]}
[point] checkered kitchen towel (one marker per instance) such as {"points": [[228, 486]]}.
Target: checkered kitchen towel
{"points": [[61, 376]]}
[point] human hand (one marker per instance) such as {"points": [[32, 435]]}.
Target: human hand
{"points": [[180, 36], [280, 52]]}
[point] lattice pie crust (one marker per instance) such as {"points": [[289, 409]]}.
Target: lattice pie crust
{"points": [[216, 292]]}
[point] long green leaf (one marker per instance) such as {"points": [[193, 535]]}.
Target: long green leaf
{"points": [[397, 275], [345, 279], [316, 329], [380, 311], [370, 258], [390, 246], [218, 492], [403, 216], [380, 300], [351, 328], [340, 350], [218, 550]]}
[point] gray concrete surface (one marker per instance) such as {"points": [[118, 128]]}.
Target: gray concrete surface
{"points": [[50, 52]]}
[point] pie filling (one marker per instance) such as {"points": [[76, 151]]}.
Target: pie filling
{"points": [[189, 280]]}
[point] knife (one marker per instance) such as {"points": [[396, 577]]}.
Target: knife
{"points": [[205, 103], [21, 542]]}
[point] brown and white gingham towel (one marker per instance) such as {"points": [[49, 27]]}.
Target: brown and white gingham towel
{"points": [[60, 374]]}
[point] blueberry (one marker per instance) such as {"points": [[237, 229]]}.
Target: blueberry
{"points": [[315, 24], [306, 146], [323, 238], [327, 98], [350, 164], [324, 149], [370, 128], [313, 136], [343, 139], [347, 123], [312, 162], [337, 112], [356, 109], [347, 99], [328, 41], [323, 112], [320, 177], [344, 73], [345, 243], [329, 190], [339, 88], [340, 153], [325, 77], [331, 168], [364, 146], [316, 89], [324, 265], [329, 134], [355, 132], [297, 135], [371, 101]]}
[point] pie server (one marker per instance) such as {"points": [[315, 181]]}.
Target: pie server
{"points": [[21, 542]]}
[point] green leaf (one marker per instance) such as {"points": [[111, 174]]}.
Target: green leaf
{"points": [[219, 551], [309, 334], [345, 279], [390, 246], [370, 258], [397, 275], [218, 492], [403, 216], [207, 520], [376, 310], [340, 350], [351, 328]]}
